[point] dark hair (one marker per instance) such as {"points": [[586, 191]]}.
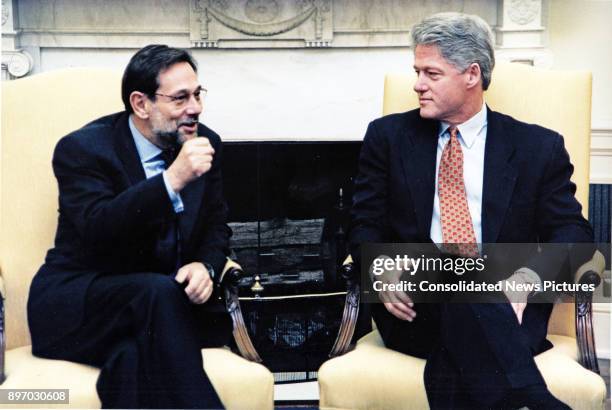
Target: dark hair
{"points": [[142, 72]]}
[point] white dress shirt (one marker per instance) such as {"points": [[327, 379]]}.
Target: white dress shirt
{"points": [[472, 137], [153, 164]]}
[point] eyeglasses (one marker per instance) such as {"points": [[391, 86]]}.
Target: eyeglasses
{"points": [[180, 100]]}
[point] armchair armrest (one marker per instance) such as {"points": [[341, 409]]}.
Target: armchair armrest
{"points": [[351, 309], [231, 275], [589, 273]]}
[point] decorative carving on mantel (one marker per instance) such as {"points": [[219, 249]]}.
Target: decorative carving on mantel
{"points": [[280, 22], [519, 25], [262, 29], [262, 11], [523, 12], [17, 63]]}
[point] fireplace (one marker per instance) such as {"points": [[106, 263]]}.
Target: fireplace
{"points": [[289, 208]]}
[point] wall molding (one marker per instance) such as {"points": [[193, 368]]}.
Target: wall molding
{"points": [[601, 155], [601, 142]]}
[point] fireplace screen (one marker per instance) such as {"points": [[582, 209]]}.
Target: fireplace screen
{"points": [[289, 211], [288, 207]]}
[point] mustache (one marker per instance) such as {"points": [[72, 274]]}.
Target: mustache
{"points": [[171, 138], [188, 121]]}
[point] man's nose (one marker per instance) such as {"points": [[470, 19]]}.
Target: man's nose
{"points": [[194, 106], [420, 86]]}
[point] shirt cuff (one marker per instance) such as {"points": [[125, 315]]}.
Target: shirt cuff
{"points": [[210, 269], [530, 276], [177, 202]]}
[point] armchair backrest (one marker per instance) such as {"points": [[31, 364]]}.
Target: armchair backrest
{"points": [[36, 112], [559, 100]]}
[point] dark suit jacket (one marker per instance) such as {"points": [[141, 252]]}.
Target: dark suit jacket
{"points": [[527, 197], [109, 219], [527, 194]]}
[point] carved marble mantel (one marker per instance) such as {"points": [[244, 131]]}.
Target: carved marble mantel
{"points": [[31, 26], [257, 23]]}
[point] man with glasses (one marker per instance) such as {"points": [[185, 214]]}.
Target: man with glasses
{"points": [[141, 233]]}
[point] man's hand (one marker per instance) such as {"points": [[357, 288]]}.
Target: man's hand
{"points": [[397, 303], [401, 308], [200, 285], [193, 161], [519, 308], [518, 298]]}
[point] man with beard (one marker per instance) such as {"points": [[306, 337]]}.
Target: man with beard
{"points": [[141, 234]]}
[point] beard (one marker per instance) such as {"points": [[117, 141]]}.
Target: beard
{"points": [[168, 138], [168, 133]]}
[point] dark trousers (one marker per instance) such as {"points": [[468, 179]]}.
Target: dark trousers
{"points": [[146, 336], [477, 354]]}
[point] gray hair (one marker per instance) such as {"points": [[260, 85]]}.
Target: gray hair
{"points": [[462, 39]]}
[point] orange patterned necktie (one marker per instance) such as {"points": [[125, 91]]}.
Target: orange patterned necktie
{"points": [[457, 229]]}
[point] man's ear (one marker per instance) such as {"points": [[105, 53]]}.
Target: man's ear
{"points": [[139, 102], [473, 75]]}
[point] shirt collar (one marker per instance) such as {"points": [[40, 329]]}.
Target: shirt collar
{"points": [[469, 130], [146, 149]]}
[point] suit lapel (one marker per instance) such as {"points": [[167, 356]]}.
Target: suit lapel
{"points": [[500, 175], [125, 147], [418, 157], [192, 196]]}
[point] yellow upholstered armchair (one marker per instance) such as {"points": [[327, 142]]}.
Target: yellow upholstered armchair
{"points": [[373, 376], [36, 112]]}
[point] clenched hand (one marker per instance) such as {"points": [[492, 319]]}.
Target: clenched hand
{"points": [[199, 284], [193, 161]]}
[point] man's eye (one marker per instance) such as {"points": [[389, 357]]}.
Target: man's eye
{"points": [[180, 99], [197, 95]]}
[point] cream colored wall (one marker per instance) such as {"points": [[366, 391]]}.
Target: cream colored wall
{"points": [[580, 37]]}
